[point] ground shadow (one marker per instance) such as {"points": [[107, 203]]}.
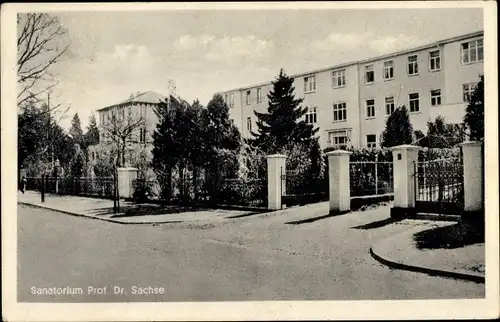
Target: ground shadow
{"points": [[136, 210], [378, 224], [313, 219], [449, 237], [249, 214]]}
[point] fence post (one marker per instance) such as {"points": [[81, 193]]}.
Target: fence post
{"points": [[339, 181], [125, 178], [276, 163], [404, 170], [42, 190], [473, 178]]}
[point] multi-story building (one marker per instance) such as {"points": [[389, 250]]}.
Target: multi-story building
{"points": [[139, 106], [350, 103]]}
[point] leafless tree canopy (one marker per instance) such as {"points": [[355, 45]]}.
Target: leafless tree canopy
{"points": [[39, 46], [120, 129]]}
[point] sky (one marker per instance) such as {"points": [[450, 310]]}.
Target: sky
{"points": [[113, 54]]}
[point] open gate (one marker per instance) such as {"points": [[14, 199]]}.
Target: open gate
{"points": [[439, 186]]}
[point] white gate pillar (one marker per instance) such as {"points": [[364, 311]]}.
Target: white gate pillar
{"points": [[275, 167], [473, 176], [404, 157], [339, 181], [126, 176]]}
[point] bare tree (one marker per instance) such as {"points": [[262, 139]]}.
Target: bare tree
{"points": [[123, 128], [40, 44]]}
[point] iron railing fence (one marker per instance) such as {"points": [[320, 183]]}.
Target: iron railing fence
{"points": [[300, 187], [103, 187], [371, 178], [440, 181], [239, 192], [144, 189]]}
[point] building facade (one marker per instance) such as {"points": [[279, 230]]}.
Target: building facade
{"points": [[350, 103], [139, 106]]}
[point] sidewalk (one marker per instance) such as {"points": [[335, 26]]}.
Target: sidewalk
{"points": [[409, 251], [130, 213]]}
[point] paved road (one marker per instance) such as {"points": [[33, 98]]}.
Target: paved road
{"points": [[251, 258]]}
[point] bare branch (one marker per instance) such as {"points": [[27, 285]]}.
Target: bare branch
{"points": [[37, 51]]}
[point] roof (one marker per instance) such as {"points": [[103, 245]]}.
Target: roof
{"points": [[372, 59], [149, 97]]}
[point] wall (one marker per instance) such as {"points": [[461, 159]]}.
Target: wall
{"points": [[399, 87], [456, 74]]}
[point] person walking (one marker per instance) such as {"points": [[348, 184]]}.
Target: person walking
{"points": [[23, 184]]}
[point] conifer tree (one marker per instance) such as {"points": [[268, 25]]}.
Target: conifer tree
{"points": [[76, 129], [474, 117], [91, 137], [283, 122], [398, 129]]}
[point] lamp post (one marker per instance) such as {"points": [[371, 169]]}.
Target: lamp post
{"points": [[57, 164]]}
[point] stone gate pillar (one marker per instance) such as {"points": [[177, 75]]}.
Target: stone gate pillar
{"points": [[275, 166], [339, 181], [404, 157], [125, 178], [473, 177]]}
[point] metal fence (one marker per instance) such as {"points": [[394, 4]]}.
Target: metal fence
{"points": [[143, 189], [371, 178], [238, 192], [439, 185], [299, 187], [96, 187]]}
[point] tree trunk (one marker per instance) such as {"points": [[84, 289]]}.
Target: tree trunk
{"points": [[195, 182]]}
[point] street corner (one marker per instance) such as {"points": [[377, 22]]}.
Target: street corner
{"points": [[445, 250]]}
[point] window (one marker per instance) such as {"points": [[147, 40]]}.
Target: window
{"points": [[414, 105], [338, 78], [413, 65], [226, 99], [389, 105], [435, 97], [468, 89], [259, 95], [143, 112], [142, 135], [122, 110], [309, 84], [370, 108], [101, 117], [339, 112], [249, 124], [311, 115], [339, 139], [231, 100], [472, 51], [369, 74], [371, 141], [247, 98], [434, 61], [389, 70]]}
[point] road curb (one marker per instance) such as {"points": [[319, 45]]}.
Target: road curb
{"points": [[422, 269], [98, 218]]}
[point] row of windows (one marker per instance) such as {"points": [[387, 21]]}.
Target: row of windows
{"points": [[121, 113], [248, 94], [229, 99], [341, 139], [340, 108], [471, 52]]}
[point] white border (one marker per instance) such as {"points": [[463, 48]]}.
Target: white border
{"points": [[289, 310]]}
